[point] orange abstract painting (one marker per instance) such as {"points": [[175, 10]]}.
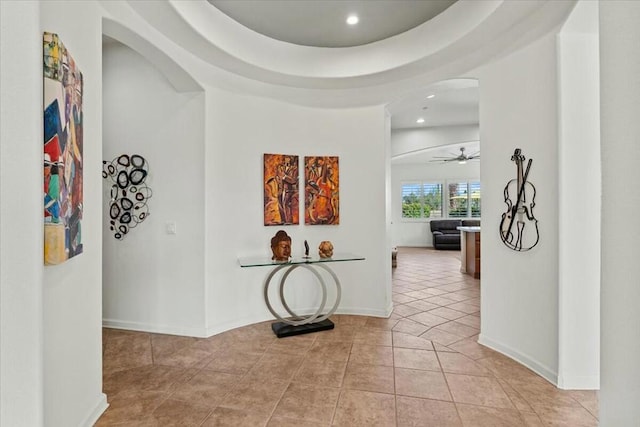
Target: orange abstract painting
{"points": [[322, 195], [281, 190]]}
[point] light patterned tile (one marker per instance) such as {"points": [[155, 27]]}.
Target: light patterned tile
{"points": [[321, 373], [428, 319], [441, 300], [255, 395], [458, 329], [371, 355], [382, 323], [423, 305], [470, 320], [178, 413], [399, 298], [562, 416], [457, 363], [402, 340], [369, 378], [354, 360], [483, 391], [308, 402], [371, 336], [363, 408], [418, 294], [464, 307], [447, 313], [227, 417], [423, 384], [405, 310], [480, 416], [410, 327], [426, 412], [440, 337], [412, 358]]}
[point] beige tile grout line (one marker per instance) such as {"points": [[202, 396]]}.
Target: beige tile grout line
{"points": [[393, 362], [446, 382]]}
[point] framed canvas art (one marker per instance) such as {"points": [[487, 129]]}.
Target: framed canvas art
{"points": [[322, 190], [63, 132], [281, 189]]}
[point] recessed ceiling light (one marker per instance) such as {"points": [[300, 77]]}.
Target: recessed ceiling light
{"points": [[431, 96], [420, 120], [353, 19]]}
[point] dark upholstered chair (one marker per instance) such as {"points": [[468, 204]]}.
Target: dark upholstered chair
{"points": [[445, 233]]}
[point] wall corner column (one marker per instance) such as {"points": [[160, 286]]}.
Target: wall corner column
{"points": [[620, 151]]}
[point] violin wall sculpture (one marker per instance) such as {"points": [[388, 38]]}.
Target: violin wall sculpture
{"points": [[519, 226], [129, 192]]}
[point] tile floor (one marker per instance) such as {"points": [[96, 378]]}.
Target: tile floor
{"points": [[420, 367]]}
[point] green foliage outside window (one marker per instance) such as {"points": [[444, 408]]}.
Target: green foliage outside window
{"points": [[424, 200], [421, 200]]}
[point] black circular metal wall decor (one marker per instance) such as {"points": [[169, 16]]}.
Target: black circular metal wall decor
{"points": [[519, 226], [129, 192]]}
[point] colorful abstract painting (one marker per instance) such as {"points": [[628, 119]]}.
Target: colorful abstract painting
{"points": [[281, 190], [322, 195], [63, 132]]}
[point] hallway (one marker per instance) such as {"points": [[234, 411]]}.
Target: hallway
{"points": [[420, 367]]}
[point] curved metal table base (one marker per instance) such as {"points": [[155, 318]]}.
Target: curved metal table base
{"points": [[299, 324]]}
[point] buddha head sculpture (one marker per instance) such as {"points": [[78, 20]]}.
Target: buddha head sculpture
{"points": [[281, 246], [325, 249]]}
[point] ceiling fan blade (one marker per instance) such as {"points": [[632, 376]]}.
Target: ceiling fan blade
{"points": [[474, 154]]}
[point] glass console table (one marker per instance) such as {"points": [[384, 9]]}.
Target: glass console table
{"points": [[298, 324]]}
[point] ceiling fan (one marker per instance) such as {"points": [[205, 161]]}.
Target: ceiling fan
{"points": [[461, 159]]}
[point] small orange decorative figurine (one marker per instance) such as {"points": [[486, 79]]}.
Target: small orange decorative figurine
{"points": [[281, 246], [325, 249]]}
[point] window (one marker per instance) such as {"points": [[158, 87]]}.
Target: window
{"points": [[425, 199], [474, 195], [464, 199], [422, 200], [458, 199]]}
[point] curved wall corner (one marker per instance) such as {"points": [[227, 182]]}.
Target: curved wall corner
{"points": [[620, 295], [153, 280], [177, 76], [519, 292]]}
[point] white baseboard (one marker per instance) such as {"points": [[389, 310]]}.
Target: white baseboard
{"points": [[540, 369], [227, 326], [156, 329], [574, 382], [97, 411], [223, 327], [359, 311]]}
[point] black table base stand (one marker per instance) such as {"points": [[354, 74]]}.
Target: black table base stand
{"points": [[283, 330]]}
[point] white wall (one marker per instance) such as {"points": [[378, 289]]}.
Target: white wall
{"points": [[21, 263], [72, 292], [157, 282], [408, 232], [579, 200], [240, 129], [152, 280], [620, 91], [518, 99]]}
